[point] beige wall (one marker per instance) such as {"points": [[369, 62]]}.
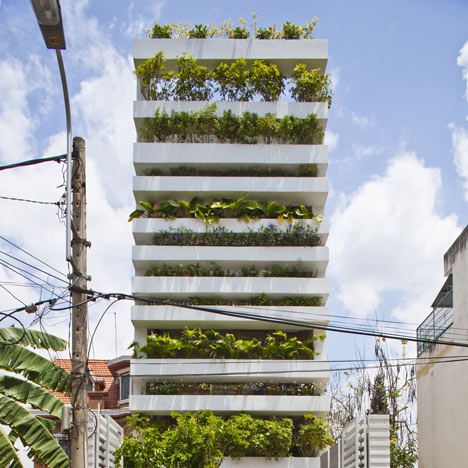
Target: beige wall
{"points": [[443, 388]]}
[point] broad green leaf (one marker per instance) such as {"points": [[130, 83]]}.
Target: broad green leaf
{"points": [[33, 433], [147, 206], [15, 358], [135, 214], [27, 392], [8, 456], [34, 338]]}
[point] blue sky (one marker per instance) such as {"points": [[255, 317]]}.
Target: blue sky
{"points": [[397, 134]]}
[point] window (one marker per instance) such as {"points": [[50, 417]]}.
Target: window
{"points": [[124, 387]]}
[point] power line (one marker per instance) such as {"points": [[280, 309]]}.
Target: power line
{"points": [[11, 294], [30, 201], [32, 162], [31, 255]]}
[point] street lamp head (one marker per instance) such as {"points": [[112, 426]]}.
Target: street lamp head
{"points": [[49, 17]]}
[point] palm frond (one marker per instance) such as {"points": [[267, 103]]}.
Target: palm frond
{"points": [[34, 338], [8, 455]]}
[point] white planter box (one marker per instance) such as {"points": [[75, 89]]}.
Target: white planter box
{"points": [[146, 109], [228, 370], [184, 287], [280, 405], [144, 228], [210, 52], [217, 155], [260, 462], [172, 317], [290, 191], [232, 258]]}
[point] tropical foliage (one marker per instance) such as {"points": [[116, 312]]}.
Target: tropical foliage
{"points": [[37, 375], [294, 234], [205, 126], [229, 81], [211, 211], [228, 30], [203, 440], [197, 343], [303, 170]]}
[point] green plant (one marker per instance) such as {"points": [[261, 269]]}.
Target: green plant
{"points": [[154, 84], [199, 31], [192, 81], [239, 32], [160, 31], [233, 80], [197, 343], [294, 234], [211, 211], [310, 86], [307, 170], [265, 33], [205, 126], [38, 377], [291, 31], [267, 80], [313, 436]]}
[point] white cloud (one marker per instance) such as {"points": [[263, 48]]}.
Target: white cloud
{"points": [[331, 139], [362, 151], [363, 121], [460, 154], [460, 135], [388, 237]]}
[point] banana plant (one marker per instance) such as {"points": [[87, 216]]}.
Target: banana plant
{"points": [[37, 376]]}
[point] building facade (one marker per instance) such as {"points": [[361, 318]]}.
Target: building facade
{"points": [[443, 387], [256, 266]]}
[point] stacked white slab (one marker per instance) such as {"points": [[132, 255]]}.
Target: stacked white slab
{"points": [[289, 190]]}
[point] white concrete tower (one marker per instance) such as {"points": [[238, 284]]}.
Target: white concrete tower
{"points": [[224, 375]]}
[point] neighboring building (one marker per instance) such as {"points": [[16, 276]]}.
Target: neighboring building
{"points": [[443, 388], [222, 377], [108, 394]]}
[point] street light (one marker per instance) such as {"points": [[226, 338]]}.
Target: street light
{"points": [[49, 17]]}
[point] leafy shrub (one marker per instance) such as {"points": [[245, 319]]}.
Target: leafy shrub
{"points": [[234, 81], [199, 31], [291, 31], [304, 170], [314, 436], [205, 126], [295, 234], [201, 344], [192, 81], [310, 86], [211, 211], [155, 84], [160, 31], [239, 32], [265, 33], [267, 80]]}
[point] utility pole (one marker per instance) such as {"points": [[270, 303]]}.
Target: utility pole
{"points": [[79, 280]]}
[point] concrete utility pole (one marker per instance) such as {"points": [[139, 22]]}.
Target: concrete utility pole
{"points": [[79, 279]]}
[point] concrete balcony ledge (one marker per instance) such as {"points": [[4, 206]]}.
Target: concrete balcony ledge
{"points": [[171, 317], [227, 287], [144, 228], [260, 462], [229, 258], [286, 54], [225, 156], [228, 370], [146, 109], [279, 405], [294, 191]]}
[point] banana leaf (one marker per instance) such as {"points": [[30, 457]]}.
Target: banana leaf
{"points": [[34, 338], [27, 392], [34, 434], [8, 456], [31, 366]]}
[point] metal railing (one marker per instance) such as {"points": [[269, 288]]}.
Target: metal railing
{"points": [[439, 320]]}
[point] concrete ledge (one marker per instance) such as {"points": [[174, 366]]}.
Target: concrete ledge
{"points": [[260, 462], [280, 405], [210, 52], [224, 156]]}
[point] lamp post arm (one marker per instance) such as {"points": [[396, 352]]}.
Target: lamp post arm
{"points": [[69, 164]]}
